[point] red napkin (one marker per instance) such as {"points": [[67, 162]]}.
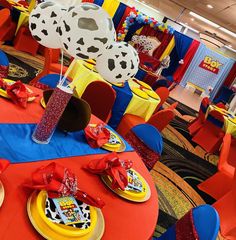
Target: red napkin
{"points": [[112, 166], [3, 165], [59, 181], [97, 135], [17, 92]]}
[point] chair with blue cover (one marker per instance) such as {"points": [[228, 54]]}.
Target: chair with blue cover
{"points": [[4, 65], [201, 223], [147, 142], [224, 95], [50, 81]]}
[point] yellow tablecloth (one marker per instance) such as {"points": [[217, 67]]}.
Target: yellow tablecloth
{"points": [[229, 119], [82, 76]]}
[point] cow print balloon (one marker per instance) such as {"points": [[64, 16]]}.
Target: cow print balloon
{"points": [[86, 31], [43, 24], [118, 63]]}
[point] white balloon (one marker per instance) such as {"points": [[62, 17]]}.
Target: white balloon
{"points": [[118, 63], [43, 24], [86, 31]]}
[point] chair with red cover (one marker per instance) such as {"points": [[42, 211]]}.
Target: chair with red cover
{"points": [[221, 105], [226, 207], [163, 93], [7, 26], [198, 122], [210, 135], [221, 182], [147, 142], [24, 3], [51, 65], [159, 120], [25, 42], [101, 97]]}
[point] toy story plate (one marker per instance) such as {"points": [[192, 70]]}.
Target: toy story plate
{"points": [[137, 190], [115, 143], [151, 94], [53, 230], [3, 92], [140, 93], [2, 193]]}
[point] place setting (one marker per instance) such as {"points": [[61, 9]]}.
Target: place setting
{"points": [[58, 209]]}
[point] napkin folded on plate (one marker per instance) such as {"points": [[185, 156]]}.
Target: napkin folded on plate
{"points": [[3, 165], [97, 135], [112, 166], [17, 92], [59, 181]]}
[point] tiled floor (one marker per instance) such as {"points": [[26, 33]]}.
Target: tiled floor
{"points": [[186, 97]]}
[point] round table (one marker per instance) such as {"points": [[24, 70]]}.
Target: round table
{"points": [[123, 219]]}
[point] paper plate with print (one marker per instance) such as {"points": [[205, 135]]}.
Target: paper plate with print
{"points": [[137, 190], [53, 230], [115, 143], [2, 193], [140, 93], [3, 92]]}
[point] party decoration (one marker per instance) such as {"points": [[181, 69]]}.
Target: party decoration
{"points": [[55, 108], [112, 166], [141, 18], [118, 63], [43, 24], [86, 31]]}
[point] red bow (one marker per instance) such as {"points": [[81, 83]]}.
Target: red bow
{"points": [[59, 181], [112, 166], [3, 165], [97, 135], [17, 92]]}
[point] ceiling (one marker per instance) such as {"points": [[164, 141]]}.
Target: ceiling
{"points": [[223, 13]]}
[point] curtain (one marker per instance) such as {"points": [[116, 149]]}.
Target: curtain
{"points": [[182, 44], [111, 6], [119, 14], [132, 30], [163, 37], [125, 15], [98, 2], [179, 73], [231, 76], [168, 49]]}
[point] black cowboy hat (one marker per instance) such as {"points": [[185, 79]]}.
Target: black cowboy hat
{"points": [[76, 115]]}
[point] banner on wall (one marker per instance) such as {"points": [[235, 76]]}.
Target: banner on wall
{"points": [[208, 69]]}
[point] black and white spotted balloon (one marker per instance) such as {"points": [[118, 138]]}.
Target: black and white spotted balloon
{"points": [[118, 63], [86, 31], [43, 24]]}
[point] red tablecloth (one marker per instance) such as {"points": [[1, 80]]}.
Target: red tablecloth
{"points": [[123, 219]]}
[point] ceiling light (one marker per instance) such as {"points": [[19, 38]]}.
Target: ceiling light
{"points": [[204, 19], [192, 19], [147, 6], [230, 48], [209, 6], [190, 28], [228, 32]]}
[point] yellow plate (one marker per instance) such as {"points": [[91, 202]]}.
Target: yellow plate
{"points": [[113, 147], [2, 193], [3, 93], [131, 195], [44, 230], [60, 228], [151, 94], [42, 102], [143, 84], [140, 93]]}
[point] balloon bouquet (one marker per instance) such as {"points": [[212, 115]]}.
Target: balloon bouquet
{"points": [[85, 31]]}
